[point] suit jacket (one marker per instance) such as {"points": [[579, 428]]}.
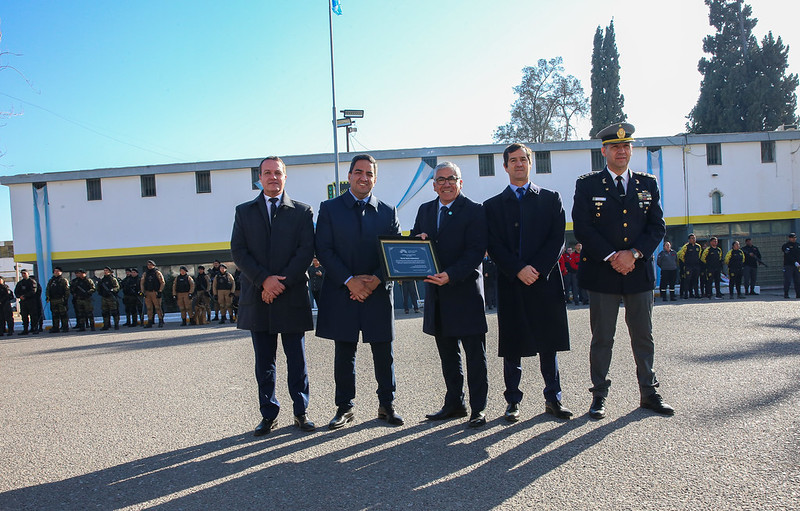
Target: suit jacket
{"points": [[460, 245], [347, 245], [284, 248], [531, 319], [605, 222]]}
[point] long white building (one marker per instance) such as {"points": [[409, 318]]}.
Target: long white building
{"points": [[729, 185]]}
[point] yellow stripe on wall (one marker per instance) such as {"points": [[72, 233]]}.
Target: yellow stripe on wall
{"points": [[131, 251]]}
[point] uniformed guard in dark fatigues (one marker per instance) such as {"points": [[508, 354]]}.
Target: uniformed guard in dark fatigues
{"points": [[25, 291], [712, 257], [201, 303], [153, 285], [617, 216], [82, 289], [6, 314], [108, 287], [182, 291], [130, 297], [57, 294], [735, 261], [212, 274], [791, 265], [689, 256]]}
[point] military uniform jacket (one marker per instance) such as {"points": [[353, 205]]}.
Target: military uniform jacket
{"points": [[460, 246], [735, 261], [183, 284], [26, 289], [712, 257], [791, 253], [224, 282], [531, 319], [605, 223], [285, 248], [6, 297], [82, 289], [690, 255], [202, 283], [152, 280], [108, 287], [57, 288], [130, 286], [347, 245]]}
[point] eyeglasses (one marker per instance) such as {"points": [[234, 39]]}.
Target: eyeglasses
{"points": [[442, 180]]}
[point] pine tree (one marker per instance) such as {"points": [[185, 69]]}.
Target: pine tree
{"points": [[745, 86], [607, 101]]}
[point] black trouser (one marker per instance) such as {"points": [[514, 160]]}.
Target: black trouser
{"points": [[692, 288], [735, 281], [791, 273], [713, 279], [667, 280], [7, 318], [29, 312], [749, 273]]}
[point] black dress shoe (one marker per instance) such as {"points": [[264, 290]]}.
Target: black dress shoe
{"points": [[447, 412], [302, 422], [656, 403], [557, 409], [342, 417], [512, 412], [389, 414], [598, 408], [265, 426], [477, 419]]}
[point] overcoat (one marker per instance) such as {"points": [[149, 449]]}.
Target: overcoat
{"points": [[284, 248], [460, 244], [604, 223], [347, 245], [531, 319]]}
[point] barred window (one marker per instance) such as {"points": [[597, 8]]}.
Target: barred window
{"points": [[768, 151], [148, 185], [485, 164], [255, 177], [598, 160], [714, 154], [203, 181], [93, 190], [543, 162]]}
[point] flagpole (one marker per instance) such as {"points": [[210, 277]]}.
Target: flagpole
{"points": [[333, 116]]}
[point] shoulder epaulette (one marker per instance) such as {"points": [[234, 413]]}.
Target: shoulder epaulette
{"points": [[593, 173]]}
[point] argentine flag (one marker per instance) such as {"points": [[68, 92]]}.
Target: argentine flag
{"points": [[337, 7]]}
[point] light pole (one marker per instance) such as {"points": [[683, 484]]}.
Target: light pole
{"points": [[348, 123]]}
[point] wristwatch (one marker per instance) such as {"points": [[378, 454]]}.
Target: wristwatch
{"points": [[636, 254]]}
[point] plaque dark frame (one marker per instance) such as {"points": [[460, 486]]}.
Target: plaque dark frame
{"points": [[386, 242]]}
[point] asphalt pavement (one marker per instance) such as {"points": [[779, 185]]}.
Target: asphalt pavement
{"points": [[163, 419]]}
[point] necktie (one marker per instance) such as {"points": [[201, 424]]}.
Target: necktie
{"points": [[620, 188], [520, 193], [442, 213], [273, 209]]}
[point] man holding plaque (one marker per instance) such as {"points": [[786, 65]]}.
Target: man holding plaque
{"points": [[272, 244], [454, 308], [526, 236], [356, 297]]}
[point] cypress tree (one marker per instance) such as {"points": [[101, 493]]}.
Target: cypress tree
{"points": [[607, 101]]}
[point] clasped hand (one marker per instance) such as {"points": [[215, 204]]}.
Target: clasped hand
{"points": [[623, 262], [272, 287], [528, 275], [361, 286]]}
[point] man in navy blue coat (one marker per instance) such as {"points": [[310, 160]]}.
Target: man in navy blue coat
{"points": [[356, 298], [618, 218], [272, 244], [454, 307], [526, 236]]}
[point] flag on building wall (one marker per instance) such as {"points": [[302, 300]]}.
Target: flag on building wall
{"points": [[41, 226], [423, 175]]}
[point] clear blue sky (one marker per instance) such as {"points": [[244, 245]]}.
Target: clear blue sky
{"points": [[117, 84]]}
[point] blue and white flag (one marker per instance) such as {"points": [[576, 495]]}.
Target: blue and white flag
{"points": [[421, 177], [337, 7]]}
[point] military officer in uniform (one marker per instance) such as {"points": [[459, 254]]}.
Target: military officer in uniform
{"points": [[212, 274], [735, 261], [25, 291], [82, 289], [791, 265], [56, 294], [617, 216], [712, 257], [6, 314], [222, 290], [130, 296], [201, 302], [182, 291], [689, 255], [107, 288], [152, 284]]}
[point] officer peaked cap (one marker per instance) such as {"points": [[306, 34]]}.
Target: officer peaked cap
{"points": [[616, 133]]}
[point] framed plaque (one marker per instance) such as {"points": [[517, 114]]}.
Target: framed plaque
{"points": [[408, 257]]}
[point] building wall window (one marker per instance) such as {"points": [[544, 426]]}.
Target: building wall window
{"points": [[430, 160], [93, 189], [543, 162], [485, 164], [598, 160], [768, 151], [713, 154], [203, 181], [716, 203], [148, 185], [255, 177]]}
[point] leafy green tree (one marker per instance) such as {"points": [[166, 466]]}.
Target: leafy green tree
{"points": [[548, 103], [745, 86], [607, 101]]}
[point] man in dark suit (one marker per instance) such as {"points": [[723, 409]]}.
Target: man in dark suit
{"points": [[526, 236], [273, 243], [618, 218], [356, 298], [454, 296]]}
